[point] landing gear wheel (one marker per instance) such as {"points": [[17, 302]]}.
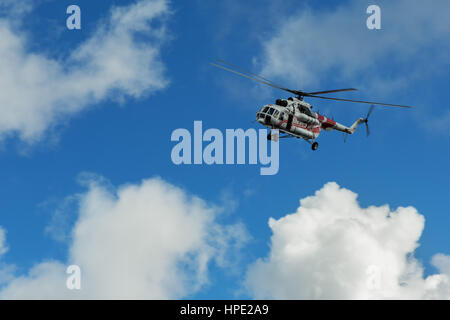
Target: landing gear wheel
{"points": [[314, 146]]}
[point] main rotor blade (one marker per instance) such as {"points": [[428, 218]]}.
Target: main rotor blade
{"points": [[255, 79], [245, 71], [358, 101], [269, 83], [330, 91]]}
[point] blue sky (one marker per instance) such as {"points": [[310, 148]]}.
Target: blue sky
{"points": [[126, 139]]}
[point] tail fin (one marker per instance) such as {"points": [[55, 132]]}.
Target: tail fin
{"points": [[361, 120], [353, 127]]}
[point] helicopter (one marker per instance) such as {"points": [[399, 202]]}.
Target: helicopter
{"points": [[294, 117]]}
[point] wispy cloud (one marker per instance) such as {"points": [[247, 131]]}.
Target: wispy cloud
{"points": [[335, 43], [37, 92]]}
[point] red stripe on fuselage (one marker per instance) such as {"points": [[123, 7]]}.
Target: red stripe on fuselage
{"points": [[314, 129], [325, 122]]}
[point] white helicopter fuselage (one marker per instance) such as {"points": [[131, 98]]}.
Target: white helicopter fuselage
{"points": [[295, 117]]}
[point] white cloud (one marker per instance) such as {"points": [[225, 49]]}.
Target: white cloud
{"points": [[331, 248], [121, 58], [143, 241], [335, 43]]}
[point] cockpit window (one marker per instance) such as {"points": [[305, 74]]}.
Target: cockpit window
{"points": [[305, 110], [281, 103], [265, 109], [275, 114], [271, 110]]}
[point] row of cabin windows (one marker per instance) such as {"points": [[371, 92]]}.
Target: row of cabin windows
{"points": [[301, 108], [276, 114]]}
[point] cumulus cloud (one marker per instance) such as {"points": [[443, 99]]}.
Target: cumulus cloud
{"points": [[335, 41], [142, 241], [331, 248], [120, 59]]}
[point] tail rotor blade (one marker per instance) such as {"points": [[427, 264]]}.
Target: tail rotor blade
{"points": [[370, 111]]}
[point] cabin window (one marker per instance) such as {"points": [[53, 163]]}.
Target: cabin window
{"points": [[275, 114], [281, 116], [305, 110]]}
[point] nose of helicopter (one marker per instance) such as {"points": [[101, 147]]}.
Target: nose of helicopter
{"points": [[260, 116]]}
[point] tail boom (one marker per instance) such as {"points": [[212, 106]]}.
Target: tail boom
{"points": [[332, 125]]}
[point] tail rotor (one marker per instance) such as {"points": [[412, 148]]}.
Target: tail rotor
{"points": [[366, 120]]}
